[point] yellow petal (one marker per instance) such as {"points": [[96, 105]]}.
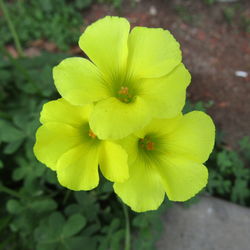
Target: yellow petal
{"points": [[166, 95], [160, 127], [182, 178], [130, 144], [113, 162], [113, 119], [79, 81], [152, 52], [143, 191], [78, 168], [193, 137], [63, 112], [105, 43], [54, 139]]}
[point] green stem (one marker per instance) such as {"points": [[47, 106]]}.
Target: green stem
{"points": [[66, 197], [11, 192], [12, 28], [127, 230]]}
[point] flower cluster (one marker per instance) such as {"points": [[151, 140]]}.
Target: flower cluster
{"points": [[121, 111]]}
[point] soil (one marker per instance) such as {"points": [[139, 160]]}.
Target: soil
{"points": [[213, 50]]}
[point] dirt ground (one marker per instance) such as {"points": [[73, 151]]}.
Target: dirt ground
{"points": [[213, 50]]}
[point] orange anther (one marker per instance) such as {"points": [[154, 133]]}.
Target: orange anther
{"points": [[91, 134]]}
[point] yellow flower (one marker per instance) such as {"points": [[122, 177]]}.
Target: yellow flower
{"points": [[132, 76], [66, 144], [167, 156]]}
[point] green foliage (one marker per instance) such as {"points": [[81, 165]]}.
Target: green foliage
{"points": [[245, 24], [35, 211], [185, 14], [57, 21], [200, 106], [209, 2], [230, 173], [147, 226], [115, 3], [235, 14], [229, 14]]}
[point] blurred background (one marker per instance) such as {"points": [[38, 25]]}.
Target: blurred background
{"points": [[37, 213]]}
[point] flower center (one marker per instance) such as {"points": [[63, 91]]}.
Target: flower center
{"points": [[124, 95], [91, 134], [147, 143]]}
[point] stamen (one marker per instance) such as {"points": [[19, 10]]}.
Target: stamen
{"points": [[123, 91], [91, 134], [150, 145], [124, 95], [147, 144]]}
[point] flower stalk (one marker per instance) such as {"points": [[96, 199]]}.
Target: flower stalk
{"points": [[11, 192], [12, 28], [127, 227]]}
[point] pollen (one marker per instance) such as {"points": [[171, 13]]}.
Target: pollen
{"points": [[150, 145], [124, 95], [147, 144], [123, 91], [91, 134]]}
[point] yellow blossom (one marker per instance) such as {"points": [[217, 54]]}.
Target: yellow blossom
{"points": [[131, 77], [67, 145], [167, 156]]}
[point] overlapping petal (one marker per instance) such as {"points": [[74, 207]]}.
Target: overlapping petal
{"points": [[160, 127], [105, 43], [113, 162], [54, 139], [79, 81], [113, 119], [130, 144], [194, 137], [179, 147], [166, 95], [66, 144], [182, 178], [152, 52], [77, 169], [61, 111], [143, 190]]}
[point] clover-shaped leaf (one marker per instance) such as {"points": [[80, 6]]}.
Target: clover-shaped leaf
{"points": [[73, 225]]}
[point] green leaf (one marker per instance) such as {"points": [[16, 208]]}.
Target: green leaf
{"points": [[4, 222], [89, 204], [72, 209], [46, 246], [223, 160], [8, 133], [56, 223], [82, 242], [50, 176], [245, 143], [240, 192], [13, 146], [42, 206], [74, 225], [14, 207], [80, 4]]}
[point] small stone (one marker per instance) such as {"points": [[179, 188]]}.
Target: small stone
{"points": [[240, 73], [152, 10]]}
